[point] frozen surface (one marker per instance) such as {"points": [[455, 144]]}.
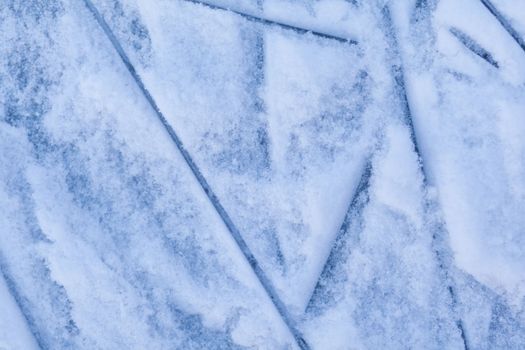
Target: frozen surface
{"points": [[106, 235], [514, 12], [14, 333], [379, 182], [471, 108], [282, 143]]}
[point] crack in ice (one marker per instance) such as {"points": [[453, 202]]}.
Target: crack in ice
{"points": [[473, 46], [399, 78], [361, 187], [505, 23], [269, 22], [236, 235]]}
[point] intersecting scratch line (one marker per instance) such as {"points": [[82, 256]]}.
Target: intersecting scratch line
{"points": [[473, 46], [360, 188], [399, 78], [236, 235], [10, 285], [269, 22], [505, 23]]}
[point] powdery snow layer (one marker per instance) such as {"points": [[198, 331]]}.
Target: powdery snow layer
{"points": [[107, 237], [279, 123], [467, 114], [375, 167]]}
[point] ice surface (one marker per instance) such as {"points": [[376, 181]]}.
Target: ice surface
{"points": [[468, 107], [463, 110], [14, 333], [106, 235], [378, 182], [514, 13], [386, 289], [282, 143]]}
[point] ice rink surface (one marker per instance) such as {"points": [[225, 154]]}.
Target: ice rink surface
{"points": [[262, 174]]}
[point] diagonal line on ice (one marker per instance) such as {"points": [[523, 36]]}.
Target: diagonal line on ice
{"points": [[236, 235], [473, 46], [269, 22], [362, 186], [438, 239], [505, 23], [12, 289]]}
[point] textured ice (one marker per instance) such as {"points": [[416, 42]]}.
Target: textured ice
{"points": [[280, 141], [478, 165], [14, 333], [384, 282], [106, 236], [378, 181]]}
